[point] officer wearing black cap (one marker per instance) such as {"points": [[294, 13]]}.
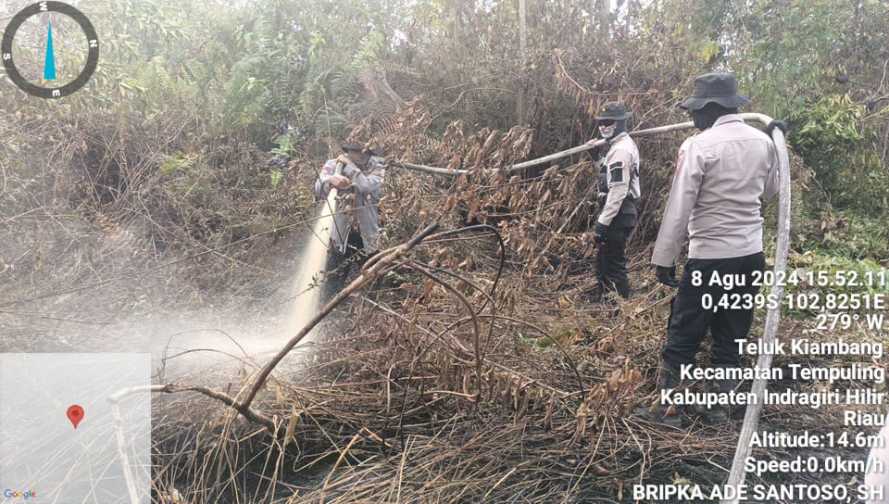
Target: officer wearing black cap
{"points": [[619, 193], [723, 174]]}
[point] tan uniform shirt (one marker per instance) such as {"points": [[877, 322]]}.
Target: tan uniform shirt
{"points": [[622, 169], [715, 201]]}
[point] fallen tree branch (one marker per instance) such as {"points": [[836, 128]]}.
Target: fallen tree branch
{"points": [[374, 266], [174, 388], [245, 410], [372, 269]]}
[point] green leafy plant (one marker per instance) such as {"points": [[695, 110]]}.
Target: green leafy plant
{"points": [[827, 128], [276, 176]]}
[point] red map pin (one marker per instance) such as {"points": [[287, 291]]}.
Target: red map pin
{"points": [[75, 414]]}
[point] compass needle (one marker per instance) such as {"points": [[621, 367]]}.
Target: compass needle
{"points": [[49, 65]]}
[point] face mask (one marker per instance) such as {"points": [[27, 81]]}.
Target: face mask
{"points": [[705, 118], [607, 131], [702, 121], [359, 159]]}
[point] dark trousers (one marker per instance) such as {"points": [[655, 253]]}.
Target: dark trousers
{"points": [[611, 261], [689, 321], [339, 264]]}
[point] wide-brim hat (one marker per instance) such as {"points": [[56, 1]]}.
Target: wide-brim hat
{"points": [[370, 148], [613, 111], [352, 147], [716, 87]]}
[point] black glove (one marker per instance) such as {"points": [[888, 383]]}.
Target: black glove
{"points": [[599, 234], [278, 162], [777, 123], [667, 276], [350, 170]]}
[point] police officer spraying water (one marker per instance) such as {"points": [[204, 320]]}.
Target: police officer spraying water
{"points": [[357, 174], [723, 175], [618, 196]]}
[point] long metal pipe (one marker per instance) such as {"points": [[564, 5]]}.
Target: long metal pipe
{"points": [[592, 144], [737, 473]]}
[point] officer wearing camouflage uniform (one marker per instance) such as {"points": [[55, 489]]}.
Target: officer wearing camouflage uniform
{"points": [[723, 176], [358, 175], [619, 193]]}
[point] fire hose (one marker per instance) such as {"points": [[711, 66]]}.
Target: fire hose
{"points": [[737, 473], [331, 204]]}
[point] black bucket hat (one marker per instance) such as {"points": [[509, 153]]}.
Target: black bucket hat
{"points": [[613, 111], [371, 148], [716, 87], [352, 147]]}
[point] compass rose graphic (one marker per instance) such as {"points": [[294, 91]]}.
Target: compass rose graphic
{"points": [[27, 25]]}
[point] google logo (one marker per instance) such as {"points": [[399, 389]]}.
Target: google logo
{"points": [[16, 494]]}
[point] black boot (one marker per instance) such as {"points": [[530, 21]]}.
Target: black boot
{"points": [[658, 412], [335, 272], [594, 295], [622, 286], [721, 414]]}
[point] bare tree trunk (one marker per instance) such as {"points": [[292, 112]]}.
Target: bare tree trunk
{"points": [[523, 48], [457, 27], [377, 86], [628, 17], [603, 12]]}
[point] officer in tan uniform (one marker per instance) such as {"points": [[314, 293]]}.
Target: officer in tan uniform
{"points": [[356, 230], [723, 176], [618, 197]]}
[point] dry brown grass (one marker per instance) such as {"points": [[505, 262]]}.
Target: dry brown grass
{"points": [[454, 379]]}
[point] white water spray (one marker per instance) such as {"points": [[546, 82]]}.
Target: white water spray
{"points": [[308, 281], [242, 333]]}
